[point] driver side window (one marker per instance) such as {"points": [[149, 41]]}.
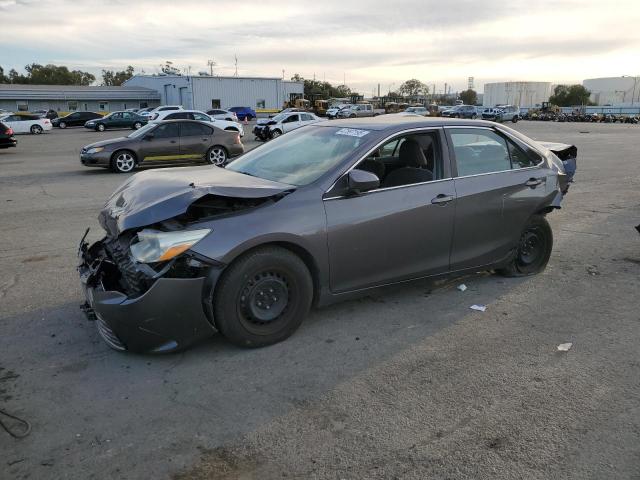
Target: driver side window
{"points": [[406, 160]]}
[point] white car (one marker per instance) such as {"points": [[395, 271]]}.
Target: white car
{"points": [[220, 114], [153, 114], [285, 122], [198, 115], [26, 123], [332, 112]]}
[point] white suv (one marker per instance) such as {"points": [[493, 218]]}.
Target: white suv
{"points": [[198, 115]]}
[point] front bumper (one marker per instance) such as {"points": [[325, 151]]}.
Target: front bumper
{"points": [[9, 142], [170, 315], [100, 159]]}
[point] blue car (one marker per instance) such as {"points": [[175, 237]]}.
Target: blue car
{"points": [[243, 113]]}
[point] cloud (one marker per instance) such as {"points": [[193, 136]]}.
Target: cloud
{"points": [[369, 41]]}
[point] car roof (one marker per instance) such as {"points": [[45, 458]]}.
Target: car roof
{"points": [[393, 122]]}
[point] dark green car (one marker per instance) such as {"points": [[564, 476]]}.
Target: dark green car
{"points": [[117, 120]]}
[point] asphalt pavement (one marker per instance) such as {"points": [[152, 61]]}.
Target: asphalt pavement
{"points": [[408, 383]]}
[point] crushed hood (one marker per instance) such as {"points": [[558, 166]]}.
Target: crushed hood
{"points": [[156, 195]]}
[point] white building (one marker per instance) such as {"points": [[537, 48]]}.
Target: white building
{"points": [[621, 91], [522, 94], [206, 92]]}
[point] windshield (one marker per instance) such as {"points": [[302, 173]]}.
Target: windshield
{"points": [[280, 116], [302, 156], [142, 131]]}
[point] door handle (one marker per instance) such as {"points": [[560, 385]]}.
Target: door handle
{"points": [[442, 199], [533, 182], [172, 141]]}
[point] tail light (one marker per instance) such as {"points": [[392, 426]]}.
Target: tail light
{"points": [[47, 121], [237, 139], [10, 131]]}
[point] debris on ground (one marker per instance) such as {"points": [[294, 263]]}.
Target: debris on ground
{"points": [[565, 347], [593, 270], [462, 287], [480, 308]]}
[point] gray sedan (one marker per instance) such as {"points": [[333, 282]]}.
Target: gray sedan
{"points": [[164, 142], [322, 214]]}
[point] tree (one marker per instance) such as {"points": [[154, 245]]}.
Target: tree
{"points": [[319, 89], [413, 88], [469, 97], [570, 95], [3, 77], [115, 79]]}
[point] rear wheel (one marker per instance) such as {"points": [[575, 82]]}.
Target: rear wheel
{"points": [[262, 297], [217, 155], [534, 249], [36, 129], [123, 161]]}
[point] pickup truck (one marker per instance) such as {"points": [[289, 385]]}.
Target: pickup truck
{"points": [[360, 110]]}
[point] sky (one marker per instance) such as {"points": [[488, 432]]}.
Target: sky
{"points": [[361, 42]]}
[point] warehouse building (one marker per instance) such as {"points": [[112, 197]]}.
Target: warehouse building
{"points": [[71, 98], [618, 91], [206, 92], [522, 94]]}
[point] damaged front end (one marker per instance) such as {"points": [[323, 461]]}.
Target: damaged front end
{"points": [[140, 307], [144, 287]]}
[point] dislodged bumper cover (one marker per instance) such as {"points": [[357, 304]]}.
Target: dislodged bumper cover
{"points": [[568, 155], [156, 195], [168, 316]]}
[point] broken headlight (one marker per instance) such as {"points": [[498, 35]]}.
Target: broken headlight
{"points": [[155, 246]]}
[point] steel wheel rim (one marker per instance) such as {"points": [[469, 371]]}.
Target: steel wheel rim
{"points": [[531, 247], [264, 301], [125, 162], [217, 156]]}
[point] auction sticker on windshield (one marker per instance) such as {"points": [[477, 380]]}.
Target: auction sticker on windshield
{"points": [[352, 132]]}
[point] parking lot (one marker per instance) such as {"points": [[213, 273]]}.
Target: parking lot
{"points": [[408, 383]]}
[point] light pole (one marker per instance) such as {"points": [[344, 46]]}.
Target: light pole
{"points": [[389, 90]]}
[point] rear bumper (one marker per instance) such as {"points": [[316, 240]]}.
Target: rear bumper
{"points": [[169, 315]]}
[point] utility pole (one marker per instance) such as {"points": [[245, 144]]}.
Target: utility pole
{"points": [[236, 58], [211, 64], [378, 89]]}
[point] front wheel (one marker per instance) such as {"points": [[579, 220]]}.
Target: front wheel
{"points": [[263, 297], [515, 119], [123, 161], [217, 155], [100, 127], [137, 125], [275, 133], [36, 129], [534, 249]]}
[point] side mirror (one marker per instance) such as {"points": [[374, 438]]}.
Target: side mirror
{"points": [[362, 181]]}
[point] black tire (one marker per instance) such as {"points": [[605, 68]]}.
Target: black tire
{"points": [[137, 125], [474, 116], [515, 119], [217, 155], [534, 249], [36, 129], [275, 133], [62, 125], [123, 161], [263, 278], [100, 127]]}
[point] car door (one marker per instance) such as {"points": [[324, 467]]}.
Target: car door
{"points": [[494, 200], [392, 233], [126, 120], [115, 120], [195, 139], [162, 143], [14, 122], [291, 123]]}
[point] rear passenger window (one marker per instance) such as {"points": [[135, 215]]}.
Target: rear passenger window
{"points": [[479, 151], [195, 129]]}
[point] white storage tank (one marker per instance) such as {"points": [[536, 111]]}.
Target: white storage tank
{"points": [[522, 94], [614, 90]]}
